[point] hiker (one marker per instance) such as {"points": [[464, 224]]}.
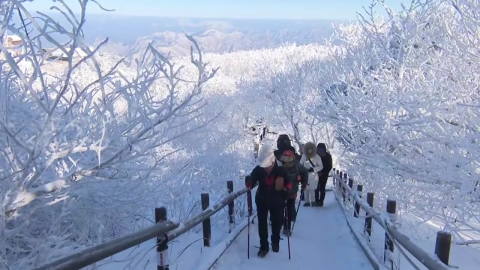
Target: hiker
{"points": [[284, 143], [323, 174], [313, 163], [302, 192], [273, 190], [297, 174]]}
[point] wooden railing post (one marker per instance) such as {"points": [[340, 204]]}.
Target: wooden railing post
{"points": [[207, 230], [344, 184], [368, 219], [442, 246], [333, 178], [391, 209], [350, 185], [231, 207], [162, 240], [357, 205]]}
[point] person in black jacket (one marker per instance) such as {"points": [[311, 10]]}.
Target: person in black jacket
{"points": [[323, 174], [273, 190]]}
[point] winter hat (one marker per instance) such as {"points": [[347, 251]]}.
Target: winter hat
{"points": [[322, 146], [283, 142], [266, 156], [310, 149], [288, 156]]}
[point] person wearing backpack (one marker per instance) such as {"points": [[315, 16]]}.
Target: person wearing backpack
{"points": [[323, 174], [312, 161], [273, 190], [297, 174]]}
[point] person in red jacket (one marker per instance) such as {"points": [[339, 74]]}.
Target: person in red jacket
{"points": [[273, 190]]}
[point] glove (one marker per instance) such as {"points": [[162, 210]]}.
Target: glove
{"points": [[285, 193], [304, 187], [310, 170], [248, 185]]}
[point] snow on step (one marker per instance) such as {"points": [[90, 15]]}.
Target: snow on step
{"points": [[321, 238]]}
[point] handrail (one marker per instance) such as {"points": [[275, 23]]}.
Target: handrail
{"points": [[167, 229], [431, 261], [194, 221], [97, 253]]}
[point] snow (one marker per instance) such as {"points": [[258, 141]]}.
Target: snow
{"points": [[320, 237], [212, 256], [183, 253], [423, 236]]}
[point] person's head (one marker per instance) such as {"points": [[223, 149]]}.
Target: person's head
{"points": [[283, 142], [321, 149], [266, 158], [287, 158], [310, 149]]}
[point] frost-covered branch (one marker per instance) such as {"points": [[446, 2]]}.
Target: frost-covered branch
{"points": [[84, 135]]}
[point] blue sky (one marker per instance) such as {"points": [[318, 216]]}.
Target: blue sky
{"points": [[271, 9]]}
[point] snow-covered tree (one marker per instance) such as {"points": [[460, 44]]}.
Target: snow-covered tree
{"points": [[408, 111], [86, 140]]}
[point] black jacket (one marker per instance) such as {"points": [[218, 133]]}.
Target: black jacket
{"points": [[327, 164], [266, 193]]}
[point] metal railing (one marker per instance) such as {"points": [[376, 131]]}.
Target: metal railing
{"points": [[164, 230], [393, 237]]}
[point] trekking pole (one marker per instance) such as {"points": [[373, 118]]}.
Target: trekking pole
{"points": [[288, 235], [298, 209], [248, 239], [249, 204]]}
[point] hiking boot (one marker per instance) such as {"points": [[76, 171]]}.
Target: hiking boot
{"points": [[306, 204], [319, 204], [275, 248], [262, 253]]}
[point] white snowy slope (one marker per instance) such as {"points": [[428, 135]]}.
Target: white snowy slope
{"points": [[321, 238]]}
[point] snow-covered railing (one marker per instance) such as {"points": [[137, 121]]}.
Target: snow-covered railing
{"points": [[393, 236], [164, 230]]}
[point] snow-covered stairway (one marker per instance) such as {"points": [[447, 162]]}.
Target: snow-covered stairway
{"points": [[321, 240]]}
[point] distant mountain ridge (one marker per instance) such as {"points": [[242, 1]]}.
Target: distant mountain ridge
{"points": [[218, 41], [130, 34]]}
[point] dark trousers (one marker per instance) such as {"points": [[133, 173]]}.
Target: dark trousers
{"points": [[290, 216], [276, 217], [320, 191]]}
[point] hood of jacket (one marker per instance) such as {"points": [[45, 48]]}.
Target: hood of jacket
{"points": [[310, 149]]}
